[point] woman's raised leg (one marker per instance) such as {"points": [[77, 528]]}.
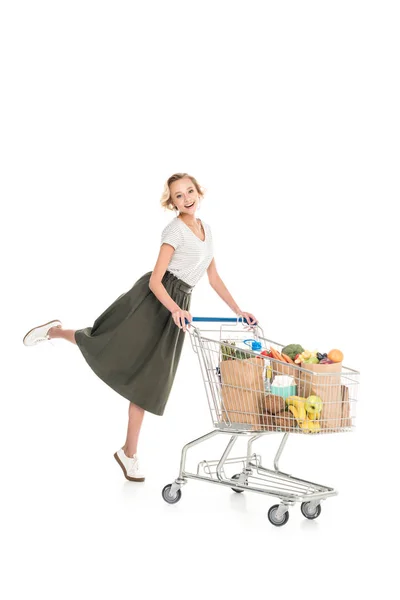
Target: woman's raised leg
{"points": [[59, 332]]}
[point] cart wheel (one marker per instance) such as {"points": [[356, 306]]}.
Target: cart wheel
{"points": [[274, 520], [305, 509], [235, 489], [168, 498]]}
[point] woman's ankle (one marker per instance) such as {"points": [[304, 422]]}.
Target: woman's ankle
{"points": [[128, 454], [53, 330]]}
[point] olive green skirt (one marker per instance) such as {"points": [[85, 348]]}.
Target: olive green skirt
{"points": [[134, 346]]}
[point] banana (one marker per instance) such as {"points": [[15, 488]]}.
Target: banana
{"points": [[298, 403], [313, 416], [310, 426], [304, 425], [314, 426], [294, 412]]}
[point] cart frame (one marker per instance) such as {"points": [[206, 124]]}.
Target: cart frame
{"points": [[251, 474]]}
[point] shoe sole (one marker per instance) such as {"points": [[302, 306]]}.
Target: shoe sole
{"points": [[124, 470], [37, 327]]}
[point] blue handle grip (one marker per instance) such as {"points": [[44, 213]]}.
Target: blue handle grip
{"points": [[220, 320]]}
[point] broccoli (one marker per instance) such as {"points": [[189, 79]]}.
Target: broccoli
{"points": [[292, 349]]}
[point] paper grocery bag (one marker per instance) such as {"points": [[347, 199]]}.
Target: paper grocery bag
{"points": [[346, 417], [242, 391], [324, 381]]}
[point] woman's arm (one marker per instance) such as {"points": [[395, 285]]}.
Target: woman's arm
{"points": [[155, 284], [218, 285]]}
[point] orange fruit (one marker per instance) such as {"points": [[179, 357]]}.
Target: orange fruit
{"points": [[335, 356]]}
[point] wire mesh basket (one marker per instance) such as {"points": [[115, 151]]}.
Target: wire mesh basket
{"points": [[250, 391]]}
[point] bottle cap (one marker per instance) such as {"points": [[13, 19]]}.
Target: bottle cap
{"points": [[255, 345]]}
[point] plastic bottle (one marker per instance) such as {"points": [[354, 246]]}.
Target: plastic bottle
{"points": [[268, 380], [255, 346]]}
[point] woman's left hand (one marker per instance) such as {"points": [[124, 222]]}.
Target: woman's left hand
{"points": [[251, 319]]}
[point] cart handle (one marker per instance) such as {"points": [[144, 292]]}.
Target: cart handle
{"points": [[221, 320]]}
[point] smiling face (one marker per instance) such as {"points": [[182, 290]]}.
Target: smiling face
{"points": [[183, 194]]}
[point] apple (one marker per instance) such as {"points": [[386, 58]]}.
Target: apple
{"points": [[326, 361], [313, 404]]}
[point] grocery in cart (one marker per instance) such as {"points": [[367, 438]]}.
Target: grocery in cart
{"points": [[255, 387]]}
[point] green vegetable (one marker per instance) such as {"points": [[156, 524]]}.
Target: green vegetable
{"points": [[242, 354], [226, 351], [293, 349], [230, 352]]}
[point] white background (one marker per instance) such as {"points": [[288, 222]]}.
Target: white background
{"points": [[287, 113]]}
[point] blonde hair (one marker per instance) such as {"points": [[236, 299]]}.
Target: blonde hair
{"points": [[166, 200]]}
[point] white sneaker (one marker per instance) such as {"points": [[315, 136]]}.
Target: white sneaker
{"points": [[40, 333], [130, 466]]}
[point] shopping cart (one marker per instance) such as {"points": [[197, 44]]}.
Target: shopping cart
{"points": [[252, 394]]}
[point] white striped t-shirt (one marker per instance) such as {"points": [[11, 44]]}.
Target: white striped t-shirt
{"points": [[192, 256]]}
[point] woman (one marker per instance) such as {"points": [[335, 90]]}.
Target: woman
{"points": [[134, 346]]}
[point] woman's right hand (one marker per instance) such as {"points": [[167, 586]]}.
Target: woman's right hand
{"points": [[179, 318]]}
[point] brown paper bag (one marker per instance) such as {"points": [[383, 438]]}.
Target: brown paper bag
{"points": [[242, 391], [324, 381], [346, 418]]}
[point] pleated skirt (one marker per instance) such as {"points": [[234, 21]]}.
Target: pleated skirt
{"points": [[134, 346]]}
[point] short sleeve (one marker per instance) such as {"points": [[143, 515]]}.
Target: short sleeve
{"points": [[171, 235]]}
